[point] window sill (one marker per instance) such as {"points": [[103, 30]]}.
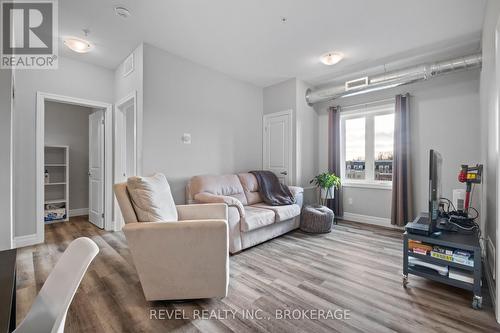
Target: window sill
{"points": [[374, 185]]}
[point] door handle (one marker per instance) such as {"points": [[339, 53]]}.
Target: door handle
{"points": [[284, 173], [89, 173]]}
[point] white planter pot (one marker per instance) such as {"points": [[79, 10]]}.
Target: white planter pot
{"points": [[327, 193]]}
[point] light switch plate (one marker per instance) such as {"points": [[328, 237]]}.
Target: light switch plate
{"points": [[186, 138]]}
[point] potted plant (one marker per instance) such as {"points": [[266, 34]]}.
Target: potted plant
{"points": [[327, 182]]}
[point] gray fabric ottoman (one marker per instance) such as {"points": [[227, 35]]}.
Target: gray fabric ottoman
{"points": [[316, 219]]}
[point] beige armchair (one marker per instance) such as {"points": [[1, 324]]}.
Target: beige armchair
{"points": [[187, 259]]}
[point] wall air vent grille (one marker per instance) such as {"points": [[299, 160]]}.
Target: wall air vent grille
{"points": [[356, 84], [128, 65]]}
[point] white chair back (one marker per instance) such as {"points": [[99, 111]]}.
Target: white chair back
{"points": [[48, 312]]}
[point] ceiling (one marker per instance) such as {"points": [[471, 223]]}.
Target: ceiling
{"points": [[248, 40]]}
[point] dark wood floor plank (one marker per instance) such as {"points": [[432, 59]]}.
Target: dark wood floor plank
{"points": [[356, 267]]}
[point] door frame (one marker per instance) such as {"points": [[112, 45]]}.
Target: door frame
{"points": [[288, 113], [131, 97], [41, 98]]}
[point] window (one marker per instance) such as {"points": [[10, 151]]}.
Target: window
{"points": [[367, 145], [355, 148]]}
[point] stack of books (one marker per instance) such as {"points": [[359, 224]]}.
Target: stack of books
{"points": [[458, 256], [463, 257], [442, 253], [419, 247]]}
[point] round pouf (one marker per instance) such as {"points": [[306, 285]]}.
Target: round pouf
{"points": [[316, 219]]}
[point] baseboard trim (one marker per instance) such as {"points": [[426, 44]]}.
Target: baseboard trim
{"points": [[78, 212], [380, 221], [27, 240], [491, 283]]}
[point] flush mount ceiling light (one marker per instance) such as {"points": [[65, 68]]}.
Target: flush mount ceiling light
{"points": [[331, 58], [122, 12], [78, 45]]}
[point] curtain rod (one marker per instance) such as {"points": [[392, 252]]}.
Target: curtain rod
{"points": [[342, 108]]}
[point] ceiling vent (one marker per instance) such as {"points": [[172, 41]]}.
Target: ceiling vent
{"points": [[356, 84]]}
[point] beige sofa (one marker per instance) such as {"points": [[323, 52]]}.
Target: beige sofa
{"points": [[250, 220]]}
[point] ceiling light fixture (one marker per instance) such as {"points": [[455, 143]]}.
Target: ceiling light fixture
{"points": [[79, 45], [122, 12], [331, 58]]}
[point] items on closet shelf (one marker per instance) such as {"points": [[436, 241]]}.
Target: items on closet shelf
{"points": [[56, 181]]}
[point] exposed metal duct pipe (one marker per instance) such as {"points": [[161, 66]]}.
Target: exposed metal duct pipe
{"points": [[392, 79]]}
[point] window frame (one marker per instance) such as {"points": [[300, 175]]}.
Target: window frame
{"points": [[369, 114]]}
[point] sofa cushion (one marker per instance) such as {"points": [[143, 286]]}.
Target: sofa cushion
{"points": [[256, 218], [250, 187], [282, 213], [152, 199], [228, 185]]}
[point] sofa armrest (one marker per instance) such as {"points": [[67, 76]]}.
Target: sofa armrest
{"points": [[167, 254], [298, 194], [202, 212], [296, 190], [205, 197]]}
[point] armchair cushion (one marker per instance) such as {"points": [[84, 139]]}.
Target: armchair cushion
{"points": [[152, 199], [205, 197]]}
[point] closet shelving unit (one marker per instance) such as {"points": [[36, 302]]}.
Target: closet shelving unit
{"points": [[57, 186]]}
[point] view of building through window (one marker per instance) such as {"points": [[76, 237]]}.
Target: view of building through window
{"points": [[355, 148], [368, 143], [384, 141]]}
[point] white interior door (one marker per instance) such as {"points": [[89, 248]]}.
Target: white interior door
{"points": [[96, 168], [125, 146], [278, 145], [126, 141]]}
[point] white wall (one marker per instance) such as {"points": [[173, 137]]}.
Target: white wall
{"points": [[223, 115], [444, 116], [73, 78], [307, 143], [280, 97], [5, 161], [489, 98], [68, 125]]}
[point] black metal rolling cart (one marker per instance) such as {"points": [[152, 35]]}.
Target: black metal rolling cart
{"points": [[467, 242]]}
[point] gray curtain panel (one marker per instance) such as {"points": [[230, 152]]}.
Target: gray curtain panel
{"points": [[334, 166], [402, 189]]}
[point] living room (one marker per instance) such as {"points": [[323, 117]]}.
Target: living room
{"points": [[272, 153]]}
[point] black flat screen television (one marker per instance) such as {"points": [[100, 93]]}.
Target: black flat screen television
{"points": [[435, 165]]}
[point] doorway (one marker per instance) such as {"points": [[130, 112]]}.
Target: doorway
{"points": [[99, 167], [278, 145], [125, 145]]}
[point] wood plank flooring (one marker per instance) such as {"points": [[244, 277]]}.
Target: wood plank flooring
{"points": [[355, 268]]}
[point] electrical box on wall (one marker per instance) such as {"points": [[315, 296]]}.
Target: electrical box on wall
{"points": [[186, 138]]}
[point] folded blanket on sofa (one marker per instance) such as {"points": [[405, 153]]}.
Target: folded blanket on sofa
{"points": [[272, 191]]}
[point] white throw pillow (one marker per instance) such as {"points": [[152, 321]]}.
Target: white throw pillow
{"points": [[152, 199]]}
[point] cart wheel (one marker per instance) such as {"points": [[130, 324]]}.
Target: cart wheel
{"points": [[477, 302], [405, 280]]}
